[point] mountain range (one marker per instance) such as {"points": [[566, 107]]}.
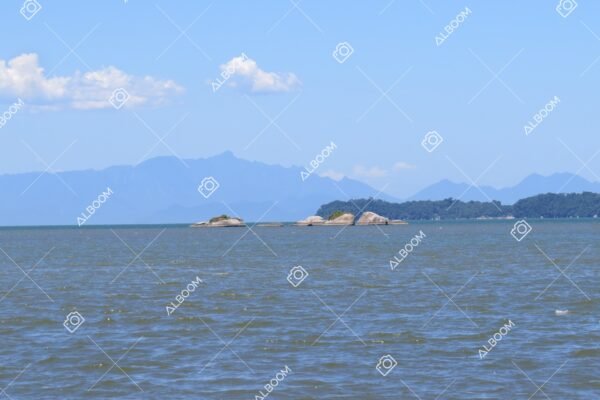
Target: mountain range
{"points": [[166, 190], [530, 186]]}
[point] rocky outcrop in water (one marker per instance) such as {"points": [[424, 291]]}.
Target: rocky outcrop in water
{"points": [[343, 219], [222, 221], [371, 218], [312, 220]]}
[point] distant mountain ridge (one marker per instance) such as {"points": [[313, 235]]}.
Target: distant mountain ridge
{"points": [[530, 186], [165, 190]]}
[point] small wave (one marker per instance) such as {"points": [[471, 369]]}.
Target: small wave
{"points": [[234, 295], [405, 337], [587, 353]]}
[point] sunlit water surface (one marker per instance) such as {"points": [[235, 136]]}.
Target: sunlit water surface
{"points": [[245, 322]]}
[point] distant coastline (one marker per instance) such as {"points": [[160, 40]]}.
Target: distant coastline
{"points": [[364, 212], [162, 190], [284, 224], [550, 205]]}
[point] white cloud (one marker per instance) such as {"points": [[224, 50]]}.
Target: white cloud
{"points": [[377, 171], [335, 175], [401, 166], [369, 172], [244, 73], [23, 77]]}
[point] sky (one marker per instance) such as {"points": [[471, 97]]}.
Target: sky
{"points": [[263, 80]]}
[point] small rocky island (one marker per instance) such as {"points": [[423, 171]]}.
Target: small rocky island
{"points": [[370, 218], [310, 221], [222, 221], [338, 218]]}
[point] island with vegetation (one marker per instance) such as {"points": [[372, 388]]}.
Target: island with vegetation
{"points": [[223, 220], [379, 212], [550, 205]]}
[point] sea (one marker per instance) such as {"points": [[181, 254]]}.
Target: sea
{"points": [[428, 310]]}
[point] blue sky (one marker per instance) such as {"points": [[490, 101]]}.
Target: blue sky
{"points": [[446, 88]]}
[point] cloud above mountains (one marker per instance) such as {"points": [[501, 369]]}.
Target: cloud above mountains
{"points": [[402, 166], [243, 73], [23, 77], [369, 172], [380, 172]]}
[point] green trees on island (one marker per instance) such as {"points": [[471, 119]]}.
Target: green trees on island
{"points": [[219, 218], [549, 205], [567, 205], [335, 214]]}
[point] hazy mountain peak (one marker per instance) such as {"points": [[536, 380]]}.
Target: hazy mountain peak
{"points": [[561, 182], [166, 190]]}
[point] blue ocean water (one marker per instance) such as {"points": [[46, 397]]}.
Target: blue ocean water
{"points": [[235, 321]]}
